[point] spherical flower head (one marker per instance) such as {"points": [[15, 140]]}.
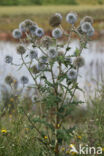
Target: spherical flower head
{"points": [[33, 54], [57, 33], [22, 27], [17, 34], [33, 29], [52, 53], [39, 32], [40, 66], [24, 80], [46, 41], [72, 74], [55, 20], [21, 50], [86, 27], [8, 59], [34, 69], [79, 62], [71, 17], [9, 79], [91, 32], [87, 19], [28, 23], [43, 59]]}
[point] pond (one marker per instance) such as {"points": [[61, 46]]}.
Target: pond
{"points": [[89, 75]]}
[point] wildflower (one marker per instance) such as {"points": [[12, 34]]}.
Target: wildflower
{"points": [[22, 27], [24, 80], [21, 49], [79, 137], [8, 59], [43, 59], [71, 18], [68, 152], [58, 125], [103, 149], [55, 20], [17, 34], [91, 32], [33, 29], [52, 53], [79, 62], [9, 80], [11, 100], [28, 23], [39, 32], [57, 33], [34, 69], [40, 66], [46, 41], [45, 137], [86, 27], [4, 131], [87, 19], [63, 149], [33, 53], [72, 74]]}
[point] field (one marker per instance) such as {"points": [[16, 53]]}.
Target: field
{"points": [[10, 17]]}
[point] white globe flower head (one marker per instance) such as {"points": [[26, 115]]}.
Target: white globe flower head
{"points": [[33, 53], [33, 29], [22, 27], [72, 74], [52, 53], [17, 34], [39, 32], [57, 33], [40, 66], [8, 59], [24, 80], [86, 27], [91, 32], [71, 17], [59, 15], [43, 59]]}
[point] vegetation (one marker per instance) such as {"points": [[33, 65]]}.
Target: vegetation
{"points": [[10, 18]]}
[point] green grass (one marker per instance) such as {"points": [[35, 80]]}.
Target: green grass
{"points": [[10, 17]]}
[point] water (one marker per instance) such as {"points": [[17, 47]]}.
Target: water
{"points": [[91, 72]]}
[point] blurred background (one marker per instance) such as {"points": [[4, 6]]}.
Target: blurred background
{"points": [[13, 12]]}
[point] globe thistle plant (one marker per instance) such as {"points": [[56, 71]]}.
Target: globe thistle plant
{"points": [[46, 41], [17, 34], [57, 33], [52, 53], [87, 19], [54, 71], [86, 27], [55, 20], [33, 53], [22, 27], [71, 18], [39, 32], [79, 62], [8, 59], [24, 80], [21, 50], [9, 79], [72, 74]]}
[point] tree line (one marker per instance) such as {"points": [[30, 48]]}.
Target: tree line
{"points": [[35, 2]]}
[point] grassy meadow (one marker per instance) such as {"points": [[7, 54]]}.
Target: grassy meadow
{"points": [[11, 16]]}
